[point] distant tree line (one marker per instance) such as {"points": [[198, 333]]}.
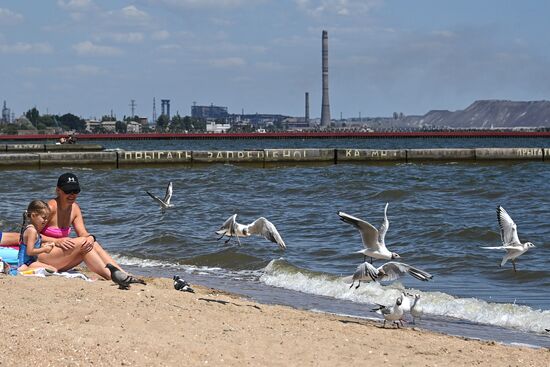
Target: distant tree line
{"points": [[40, 123], [70, 122]]}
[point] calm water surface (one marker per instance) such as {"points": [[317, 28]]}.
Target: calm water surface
{"points": [[440, 215]]}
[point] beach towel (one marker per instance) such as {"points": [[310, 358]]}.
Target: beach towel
{"points": [[41, 272]]}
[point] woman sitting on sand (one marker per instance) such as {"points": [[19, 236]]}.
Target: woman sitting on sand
{"points": [[69, 252]]}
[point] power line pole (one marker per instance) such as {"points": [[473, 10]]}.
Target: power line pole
{"points": [[154, 111], [132, 107]]}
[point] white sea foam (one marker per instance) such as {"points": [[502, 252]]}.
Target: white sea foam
{"points": [[434, 303], [203, 270]]}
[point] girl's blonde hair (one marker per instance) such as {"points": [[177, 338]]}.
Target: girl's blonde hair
{"points": [[35, 206]]}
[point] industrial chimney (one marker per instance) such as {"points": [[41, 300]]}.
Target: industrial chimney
{"points": [[306, 120], [325, 109]]}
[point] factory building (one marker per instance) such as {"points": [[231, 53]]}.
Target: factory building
{"points": [[209, 112]]}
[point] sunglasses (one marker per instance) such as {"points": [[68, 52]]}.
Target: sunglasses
{"points": [[69, 192]]}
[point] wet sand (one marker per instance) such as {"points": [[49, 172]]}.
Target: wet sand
{"points": [[70, 322]]}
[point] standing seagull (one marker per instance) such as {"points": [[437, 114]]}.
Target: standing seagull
{"points": [[416, 308], [121, 278], [373, 239], [260, 226], [392, 270], [164, 203], [509, 237], [393, 313]]}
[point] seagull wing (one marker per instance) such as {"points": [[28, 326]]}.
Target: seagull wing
{"points": [[157, 199], [384, 227], [394, 270], [265, 228], [365, 272], [369, 234], [508, 229], [228, 227], [168, 194]]}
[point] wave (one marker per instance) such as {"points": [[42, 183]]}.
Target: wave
{"points": [[280, 273], [210, 270]]}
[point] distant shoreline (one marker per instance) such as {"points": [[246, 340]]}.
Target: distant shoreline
{"points": [[291, 135]]}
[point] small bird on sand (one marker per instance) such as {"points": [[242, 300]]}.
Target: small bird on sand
{"points": [[260, 226], [373, 239], [182, 285], [164, 203], [510, 240], [392, 313], [121, 278]]}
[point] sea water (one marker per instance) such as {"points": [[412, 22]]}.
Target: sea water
{"points": [[440, 214]]}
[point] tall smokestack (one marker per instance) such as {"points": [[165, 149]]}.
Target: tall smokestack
{"points": [[307, 109], [325, 109]]}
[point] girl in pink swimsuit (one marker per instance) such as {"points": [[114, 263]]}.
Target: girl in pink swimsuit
{"points": [[71, 251]]}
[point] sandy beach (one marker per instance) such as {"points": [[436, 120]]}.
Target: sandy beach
{"points": [[69, 322]]}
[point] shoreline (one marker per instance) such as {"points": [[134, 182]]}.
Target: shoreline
{"points": [[70, 321]]}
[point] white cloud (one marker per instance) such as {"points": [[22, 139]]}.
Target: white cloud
{"points": [[80, 70], [75, 5], [132, 13], [339, 7], [270, 66], [129, 15], [444, 34], [204, 3], [227, 62], [26, 48], [169, 47], [130, 37], [8, 17], [88, 48], [160, 35]]}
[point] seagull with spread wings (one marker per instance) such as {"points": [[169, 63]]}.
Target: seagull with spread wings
{"points": [[260, 226], [164, 203], [373, 239], [510, 240], [390, 271]]}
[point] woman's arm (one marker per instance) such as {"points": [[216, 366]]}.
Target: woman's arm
{"points": [[80, 229]]}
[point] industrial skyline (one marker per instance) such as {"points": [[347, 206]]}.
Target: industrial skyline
{"points": [[89, 57]]}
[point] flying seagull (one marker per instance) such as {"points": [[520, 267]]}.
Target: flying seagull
{"points": [[373, 239], [121, 278], [164, 203], [260, 226], [510, 240], [392, 313], [392, 270]]}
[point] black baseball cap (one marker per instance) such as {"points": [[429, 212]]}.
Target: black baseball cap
{"points": [[68, 182]]}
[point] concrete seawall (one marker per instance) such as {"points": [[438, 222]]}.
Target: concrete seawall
{"points": [[19, 157]]}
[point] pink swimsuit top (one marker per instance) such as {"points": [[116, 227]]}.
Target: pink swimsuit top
{"points": [[56, 232]]}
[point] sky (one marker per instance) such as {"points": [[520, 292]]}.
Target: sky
{"points": [[91, 57]]}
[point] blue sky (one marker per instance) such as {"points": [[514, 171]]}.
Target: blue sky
{"points": [[89, 57]]}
